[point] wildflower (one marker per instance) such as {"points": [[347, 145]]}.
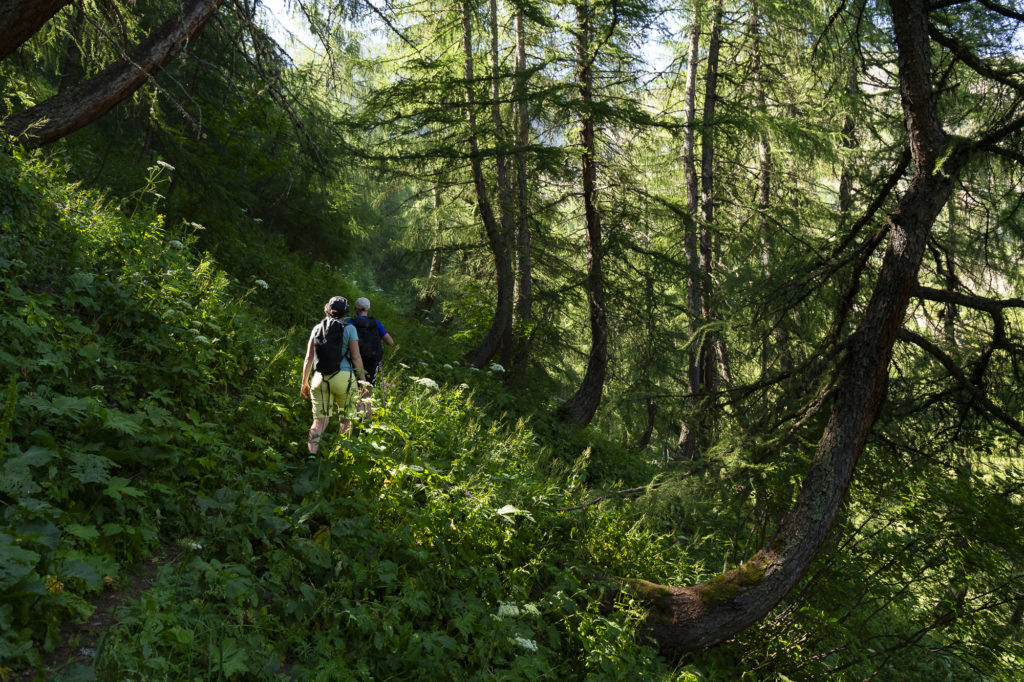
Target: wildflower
{"points": [[495, 367], [428, 382], [262, 283], [527, 644], [164, 164], [508, 610], [175, 244]]}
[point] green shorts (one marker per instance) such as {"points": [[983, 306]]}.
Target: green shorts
{"points": [[341, 389]]}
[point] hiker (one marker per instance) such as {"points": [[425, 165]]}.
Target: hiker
{"points": [[371, 336], [333, 354]]}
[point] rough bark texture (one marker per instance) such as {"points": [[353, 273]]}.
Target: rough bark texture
{"points": [[20, 19], [505, 200], [689, 618], [501, 325], [687, 444], [524, 262], [80, 105], [580, 408], [707, 208]]}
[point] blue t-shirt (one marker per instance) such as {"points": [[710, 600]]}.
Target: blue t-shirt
{"points": [[380, 327]]}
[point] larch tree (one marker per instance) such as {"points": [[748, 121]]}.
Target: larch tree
{"points": [[689, 618]]}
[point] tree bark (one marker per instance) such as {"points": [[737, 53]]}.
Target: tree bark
{"points": [[710, 344], [524, 263], [687, 443], [580, 408], [21, 19], [80, 105], [502, 323], [506, 206], [427, 299], [689, 618]]}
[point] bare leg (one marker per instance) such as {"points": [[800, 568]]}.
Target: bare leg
{"points": [[365, 393], [345, 427], [315, 431]]}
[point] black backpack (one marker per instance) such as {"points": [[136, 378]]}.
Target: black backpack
{"points": [[329, 340], [370, 346]]}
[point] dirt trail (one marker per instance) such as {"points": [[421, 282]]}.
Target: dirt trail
{"points": [[78, 641]]}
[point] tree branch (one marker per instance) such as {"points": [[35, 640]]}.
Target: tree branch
{"points": [[78, 106], [21, 19], [961, 52], [957, 374]]}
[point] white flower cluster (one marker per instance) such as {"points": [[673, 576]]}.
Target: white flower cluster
{"points": [[428, 382], [527, 644]]}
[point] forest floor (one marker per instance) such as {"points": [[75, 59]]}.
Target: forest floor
{"points": [[79, 641]]}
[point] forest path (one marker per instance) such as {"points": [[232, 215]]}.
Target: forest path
{"points": [[79, 641]]}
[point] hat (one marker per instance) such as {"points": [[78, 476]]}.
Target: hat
{"points": [[338, 304], [362, 303]]}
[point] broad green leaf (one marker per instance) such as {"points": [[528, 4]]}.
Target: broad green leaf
{"points": [[129, 424], [15, 562], [118, 487], [75, 568], [89, 468], [229, 657], [84, 532]]}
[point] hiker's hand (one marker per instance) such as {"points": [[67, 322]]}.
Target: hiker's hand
{"points": [[304, 391]]}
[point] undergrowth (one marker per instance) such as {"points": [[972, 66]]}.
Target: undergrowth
{"points": [[149, 404]]}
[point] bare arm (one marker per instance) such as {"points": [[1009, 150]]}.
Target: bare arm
{"points": [[388, 340], [357, 359], [307, 364]]}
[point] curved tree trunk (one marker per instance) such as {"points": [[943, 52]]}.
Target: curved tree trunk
{"points": [[80, 105], [689, 618], [580, 408], [20, 19], [501, 325]]}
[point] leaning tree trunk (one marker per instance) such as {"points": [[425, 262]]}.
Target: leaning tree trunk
{"points": [[689, 618], [580, 408], [501, 325], [80, 105], [20, 19]]}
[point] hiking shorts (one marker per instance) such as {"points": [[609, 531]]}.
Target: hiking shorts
{"points": [[340, 389]]}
